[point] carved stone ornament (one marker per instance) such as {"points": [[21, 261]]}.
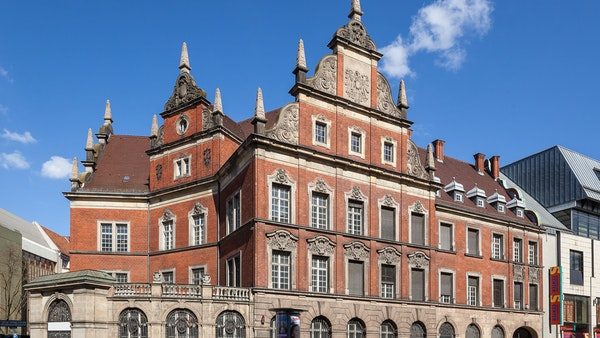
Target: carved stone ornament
{"points": [[389, 255], [321, 246], [207, 120], [418, 260], [356, 33], [206, 279], [59, 311], [357, 86], [388, 201], [321, 186], [286, 128], [534, 274], [157, 277], [159, 171], [198, 209], [518, 272], [282, 240], [418, 208], [282, 177], [325, 75], [385, 102], [356, 194], [415, 167], [168, 215], [158, 141], [207, 156], [357, 251], [185, 91]]}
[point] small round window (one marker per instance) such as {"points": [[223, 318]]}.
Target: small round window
{"points": [[182, 125]]}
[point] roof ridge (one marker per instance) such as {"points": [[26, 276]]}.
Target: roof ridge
{"points": [[561, 148]]}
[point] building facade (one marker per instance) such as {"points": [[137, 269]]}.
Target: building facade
{"points": [[324, 205]]}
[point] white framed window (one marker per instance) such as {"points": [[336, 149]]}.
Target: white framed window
{"points": [[388, 150], [114, 236], [234, 212], [181, 167], [319, 279], [501, 207], [518, 295], [473, 290], [321, 131], [168, 234], [319, 216], [196, 274], [356, 142], [517, 250], [280, 203], [417, 228], [446, 287], [388, 281], [280, 269], [355, 217], [458, 197], [418, 285], [168, 276], [473, 247], [520, 213], [498, 293], [198, 226], [356, 277], [497, 246], [389, 215], [480, 202], [120, 276], [532, 253], [234, 271], [446, 236]]}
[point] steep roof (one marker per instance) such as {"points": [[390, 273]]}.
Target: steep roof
{"points": [[123, 166], [62, 242], [33, 240], [586, 169]]}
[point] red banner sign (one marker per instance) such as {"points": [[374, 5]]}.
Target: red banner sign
{"points": [[555, 289]]}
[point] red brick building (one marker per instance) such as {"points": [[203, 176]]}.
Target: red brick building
{"points": [[324, 204]]}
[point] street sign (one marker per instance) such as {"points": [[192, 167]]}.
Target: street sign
{"points": [[555, 289], [13, 323]]}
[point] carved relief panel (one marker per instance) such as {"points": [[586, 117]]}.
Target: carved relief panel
{"points": [[357, 81]]}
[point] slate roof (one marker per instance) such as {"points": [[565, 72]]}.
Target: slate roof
{"points": [[62, 242]]}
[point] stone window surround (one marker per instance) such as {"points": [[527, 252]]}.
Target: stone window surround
{"points": [[319, 185], [192, 267], [322, 119], [453, 226], [425, 268], [537, 252], [357, 130], [289, 245], [198, 209], [397, 262], [453, 273], [349, 256], [182, 157], [173, 270], [504, 291], [479, 287], [331, 275], [418, 208], [161, 228], [356, 194], [473, 227], [281, 176], [114, 235], [114, 272], [181, 118], [227, 259], [504, 244], [388, 201], [227, 220], [394, 143], [521, 250]]}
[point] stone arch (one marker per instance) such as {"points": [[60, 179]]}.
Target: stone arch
{"points": [[232, 323], [388, 328], [525, 332], [134, 305], [495, 333], [356, 324], [167, 312], [473, 331], [182, 322], [133, 323], [320, 324], [54, 297], [418, 330], [446, 330]]}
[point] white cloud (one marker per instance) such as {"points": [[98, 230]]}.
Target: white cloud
{"points": [[56, 168], [3, 109], [14, 160], [441, 28], [4, 74], [24, 138]]}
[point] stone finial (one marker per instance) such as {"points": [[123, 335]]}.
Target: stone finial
{"points": [[184, 62], [74, 170], [218, 105], [107, 113], [355, 12], [89, 144], [402, 99], [259, 111], [430, 158], [301, 57], [154, 128]]}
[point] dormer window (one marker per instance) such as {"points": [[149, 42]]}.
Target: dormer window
{"points": [[497, 201], [477, 196], [458, 197], [517, 206], [520, 213], [500, 207], [455, 190], [480, 202]]}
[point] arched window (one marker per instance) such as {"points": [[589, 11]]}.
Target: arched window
{"points": [[473, 331], [230, 324], [133, 323], [320, 328], [417, 330], [59, 319], [388, 330], [356, 329], [447, 330], [182, 323], [497, 332]]}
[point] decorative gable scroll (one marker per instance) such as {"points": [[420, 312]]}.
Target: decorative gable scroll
{"points": [[286, 128]]}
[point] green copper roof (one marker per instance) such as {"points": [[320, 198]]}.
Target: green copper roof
{"points": [[77, 277]]}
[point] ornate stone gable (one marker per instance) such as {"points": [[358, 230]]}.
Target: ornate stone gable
{"points": [[321, 186], [282, 240], [418, 260], [325, 75], [168, 215], [207, 120], [356, 194], [321, 246], [389, 255], [357, 251], [286, 129], [419, 208], [281, 176], [385, 102], [355, 33], [198, 209], [388, 201], [415, 168], [357, 86], [185, 91]]}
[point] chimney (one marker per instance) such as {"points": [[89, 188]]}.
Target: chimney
{"points": [[495, 166], [438, 150], [479, 162]]}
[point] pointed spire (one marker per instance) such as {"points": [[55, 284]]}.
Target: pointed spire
{"points": [[107, 113], [74, 170], [402, 99], [355, 12], [89, 144], [259, 111], [301, 58], [430, 158], [184, 62], [154, 128], [218, 105]]}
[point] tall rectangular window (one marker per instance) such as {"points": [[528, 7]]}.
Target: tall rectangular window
{"points": [[473, 291], [321, 132], [518, 295], [319, 281], [320, 211], [280, 270], [388, 152], [168, 242], [417, 284], [280, 203], [122, 237], [533, 297], [233, 213], [498, 293], [417, 229], [446, 288], [107, 237], [576, 267], [356, 142], [532, 253], [517, 250], [196, 276], [388, 223], [168, 277], [198, 229], [182, 167], [446, 237], [497, 246], [388, 281], [355, 217], [234, 272], [356, 279], [473, 242]]}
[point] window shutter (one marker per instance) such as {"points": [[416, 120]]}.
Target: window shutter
{"points": [[533, 297], [473, 242], [388, 223], [498, 293], [446, 236], [355, 278], [418, 284], [446, 284], [417, 230], [388, 274], [518, 292]]}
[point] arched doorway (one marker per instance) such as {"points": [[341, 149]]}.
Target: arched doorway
{"points": [[417, 330], [59, 319], [524, 332]]}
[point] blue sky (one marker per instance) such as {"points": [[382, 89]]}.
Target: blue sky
{"points": [[499, 77]]}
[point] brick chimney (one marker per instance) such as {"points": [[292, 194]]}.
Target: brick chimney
{"points": [[438, 149], [479, 162], [495, 166]]}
